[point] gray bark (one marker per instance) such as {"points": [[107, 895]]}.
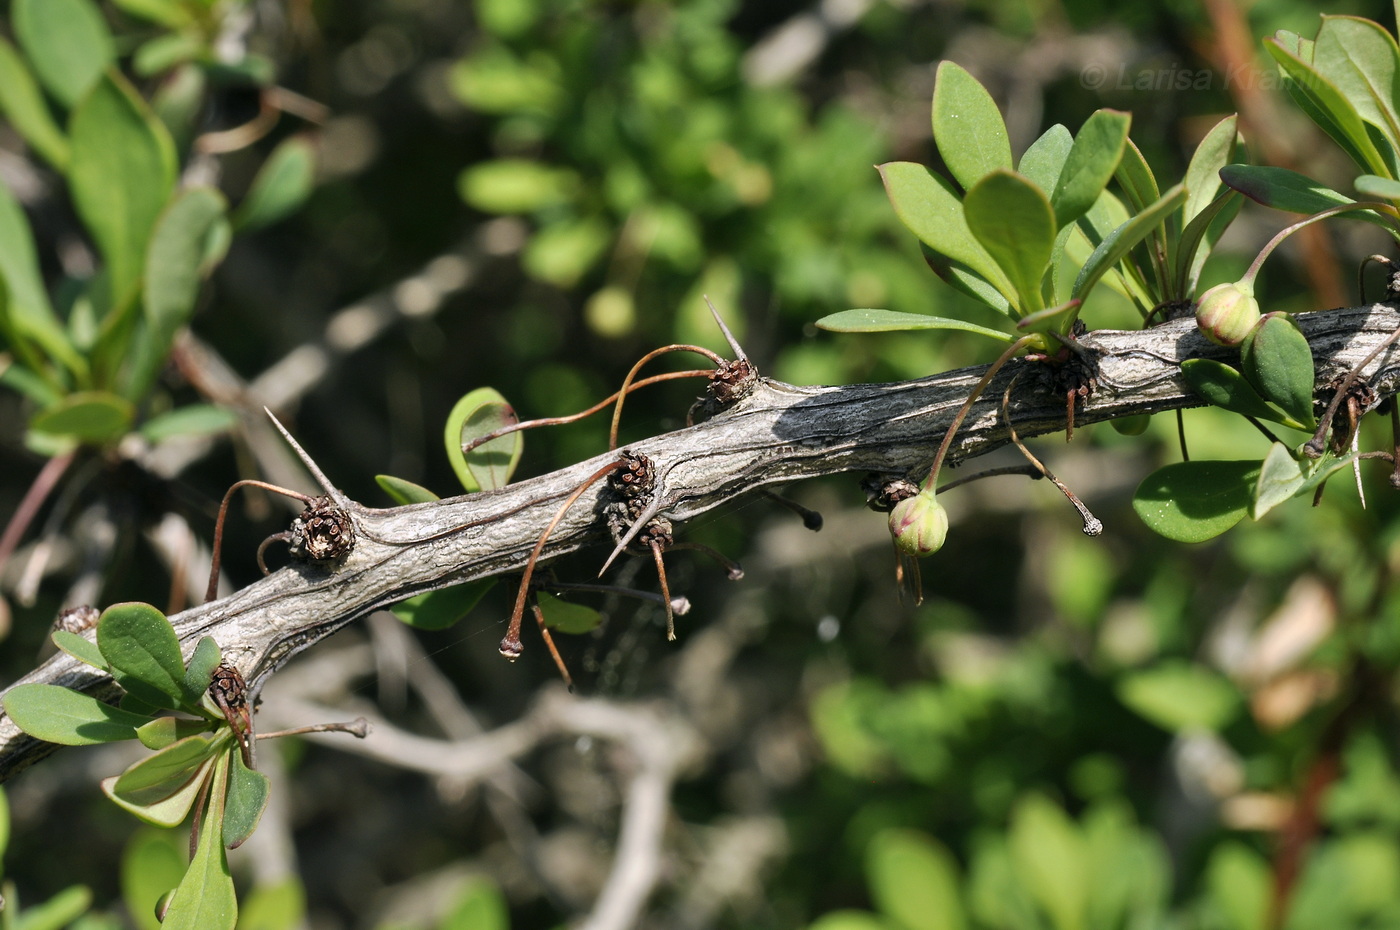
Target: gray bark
{"points": [[775, 435]]}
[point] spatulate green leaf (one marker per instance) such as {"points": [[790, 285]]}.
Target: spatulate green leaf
{"points": [[967, 126], [1195, 501], [490, 465], [95, 417], [282, 185], [60, 715], [1225, 387], [1091, 163], [404, 491], [247, 799], [204, 899], [1121, 241], [1043, 161], [23, 103], [122, 173], [1277, 360], [80, 648], [889, 321], [438, 610], [1013, 221], [143, 652], [161, 788], [68, 43], [567, 617], [929, 208]]}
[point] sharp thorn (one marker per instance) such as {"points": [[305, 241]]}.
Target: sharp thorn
{"points": [[652, 510], [728, 336], [331, 490]]}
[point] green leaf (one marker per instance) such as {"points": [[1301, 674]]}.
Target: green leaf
{"points": [[143, 652], [1180, 696], [1117, 244], [23, 103], [926, 204], [516, 185], [1277, 360], [1361, 60], [205, 658], [162, 788], [279, 906], [438, 610], [1239, 882], [1045, 159], [1135, 176], [68, 43], [282, 185], [1281, 479], [70, 718], [967, 126], [966, 281], [165, 731], [166, 52], [57, 912], [95, 417], [1014, 222], [567, 617], [28, 308], [404, 491], [1225, 387], [171, 13], [247, 799], [490, 465], [122, 174], [1051, 860], [152, 864], [204, 899], [175, 267], [889, 321], [80, 648], [480, 906], [1215, 151], [1205, 227], [1328, 106], [1091, 163], [562, 252], [1288, 190], [190, 420], [1374, 187], [849, 920], [914, 880], [1196, 501]]}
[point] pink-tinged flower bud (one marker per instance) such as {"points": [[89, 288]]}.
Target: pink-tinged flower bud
{"points": [[1227, 312], [919, 524]]}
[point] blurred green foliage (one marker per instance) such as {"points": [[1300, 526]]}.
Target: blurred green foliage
{"points": [[1068, 734]]}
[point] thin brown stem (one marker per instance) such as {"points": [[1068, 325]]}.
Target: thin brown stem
{"points": [[665, 590], [213, 590], [1395, 438], [733, 568], [575, 417], [626, 382], [961, 415], [549, 643], [810, 518], [39, 490], [680, 605], [510, 645], [1093, 526], [358, 728], [1024, 471], [1181, 436]]}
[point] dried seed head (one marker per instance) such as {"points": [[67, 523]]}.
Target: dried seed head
{"points": [[658, 530], [228, 690], [636, 478], [883, 492], [76, 619], [732, 381], [322, 532]]}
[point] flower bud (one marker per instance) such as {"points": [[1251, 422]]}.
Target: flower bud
{"points": [[1227, 312], [919, 524]]}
